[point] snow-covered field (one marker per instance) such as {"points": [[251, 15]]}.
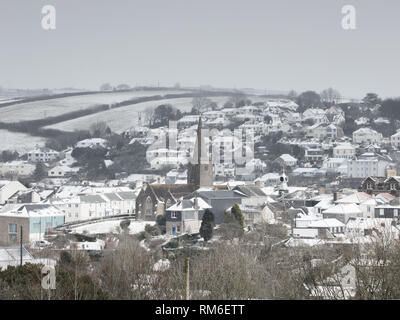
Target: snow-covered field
{"points": [[3, 101], [19, 142], [121, 119], [55, 107], [124, 118], [111, 226]]}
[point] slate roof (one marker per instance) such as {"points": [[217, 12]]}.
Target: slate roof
{"points": [[250, 191], [92, 198], [176, 190], [219, 194], [112, 196], [125, 195]]}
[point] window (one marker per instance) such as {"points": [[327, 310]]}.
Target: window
{"points": [[148, 207], [173, 214], [12, 232], [36, 226]]}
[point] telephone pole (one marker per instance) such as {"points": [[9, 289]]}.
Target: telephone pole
{"points": [[187, 278], [21, 247]]}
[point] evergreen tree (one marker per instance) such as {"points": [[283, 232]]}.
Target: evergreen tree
{"points": [[207, 225], [237, 214], [39, 172], [161, 222]]}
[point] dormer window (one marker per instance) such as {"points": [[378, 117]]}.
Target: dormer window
{"points": [[392, 186], [369, 185]]}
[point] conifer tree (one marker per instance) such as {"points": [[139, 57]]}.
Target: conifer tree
{"points": [[237, 214], [207, 225]]}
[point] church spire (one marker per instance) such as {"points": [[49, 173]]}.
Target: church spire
{"points": [[200, 155], [200, 167]]}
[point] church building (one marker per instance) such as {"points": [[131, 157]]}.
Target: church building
{"points": [[154, 199]]}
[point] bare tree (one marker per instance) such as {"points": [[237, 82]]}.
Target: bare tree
{"points": [[149, 116], [98, 129], [330, 96], [201, 104]]}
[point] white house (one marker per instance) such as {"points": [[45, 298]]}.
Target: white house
{"points": [[9, 188], [314, 226], [343, 212], [314, 154], [61, 171], [269, 179], [335, 165], [361, 227], [395, 140], [96, 205], [322, 131], [19, 168], [42, 155], [366, 135], [368, 164], [313, 113], [344, 151], [287, 160]]}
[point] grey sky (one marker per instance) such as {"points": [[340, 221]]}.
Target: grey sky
{"points": [[272, 44]]}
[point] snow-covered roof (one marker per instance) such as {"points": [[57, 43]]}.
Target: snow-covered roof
{"points": [[343, 209], [364, 131], [368, 223], [287, 157], [356, 198], [326, 223], [188, 205], [324, 203], [33, 210]]}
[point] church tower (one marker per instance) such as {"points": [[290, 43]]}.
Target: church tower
{"points": [[200, 170]]}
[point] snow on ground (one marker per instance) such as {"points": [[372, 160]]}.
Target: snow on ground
{"points": [[124, 118], [19, 142], [121, 119], [111, 226], [54, 107], [8, 100]]}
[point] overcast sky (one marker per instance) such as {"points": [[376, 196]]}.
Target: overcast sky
{"points": [[264, 44]]}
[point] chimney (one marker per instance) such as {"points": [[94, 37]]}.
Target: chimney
{"points": [[390, 172], [335, 196]]}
